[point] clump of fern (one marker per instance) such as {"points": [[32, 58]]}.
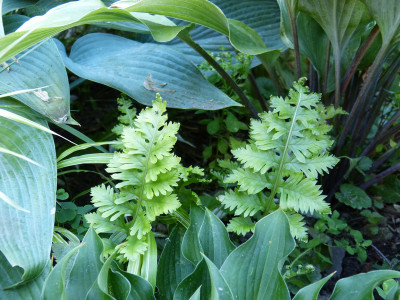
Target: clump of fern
{"points": [[147, 172], [287, 151]]}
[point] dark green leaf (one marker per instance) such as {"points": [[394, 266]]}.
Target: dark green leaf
{"points": [[353, 196]]}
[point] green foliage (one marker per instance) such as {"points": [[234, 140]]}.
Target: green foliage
{"points": [[147, 172], [287, 151], [353, 196]]}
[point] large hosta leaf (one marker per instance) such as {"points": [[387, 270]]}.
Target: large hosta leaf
{"points": [[204, 13], [253, 269], [142, 70], [77, 13], [25, 237], [39, 67], [387, 15], [10, 275], [261, 15]]}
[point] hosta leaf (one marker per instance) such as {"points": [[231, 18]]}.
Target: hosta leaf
{"points": [[54, 286], [311, 291], [173, 267], [361, 286], [219, 288], [242, 38], [214, 239], [25, 238], [73, 14], [9, 5], [253, 269], [191, 247], [10, 275], [40, 67], [140, 70], [387, 15], [200, 277], [87, 266]]}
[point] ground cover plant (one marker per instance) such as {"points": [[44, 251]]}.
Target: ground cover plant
{"points": [[253, 154]]}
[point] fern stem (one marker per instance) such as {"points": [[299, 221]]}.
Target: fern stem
{"points": [[282, 162]]}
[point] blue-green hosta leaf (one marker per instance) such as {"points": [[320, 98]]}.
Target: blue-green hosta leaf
{"points": [[40, 67], [54, 286], [25, 237], [257, 262], [219, 288], [361, 286], [242, 203], [204, 13], [387, 15], [260, 15], [311, 291], [214, 239], [9, 5], [87, 266], [142, 70], [77, 13], [241, 225], [173, 267], [200, 277], [10, 275], [191, 247]]}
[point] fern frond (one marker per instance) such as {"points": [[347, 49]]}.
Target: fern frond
{"points": [[240, 225], [259, 161], [287, 151], [101, 224], [311, 167], [250, 181], [133, 248], [297, 225], [140, 225], [147, 172], [302, 194], [242, 203]]}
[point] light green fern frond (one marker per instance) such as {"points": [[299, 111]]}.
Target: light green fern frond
{"points": [[297, 225], [302, 195], [147, 172], [242, 203], [240, 225], [287, 151]]}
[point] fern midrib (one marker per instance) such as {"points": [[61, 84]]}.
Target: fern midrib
{"points": [[139, 203], [282, 162]]}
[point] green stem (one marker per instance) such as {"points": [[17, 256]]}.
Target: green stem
{"points": [[295, 38], [185, 37], [300, 256]]}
